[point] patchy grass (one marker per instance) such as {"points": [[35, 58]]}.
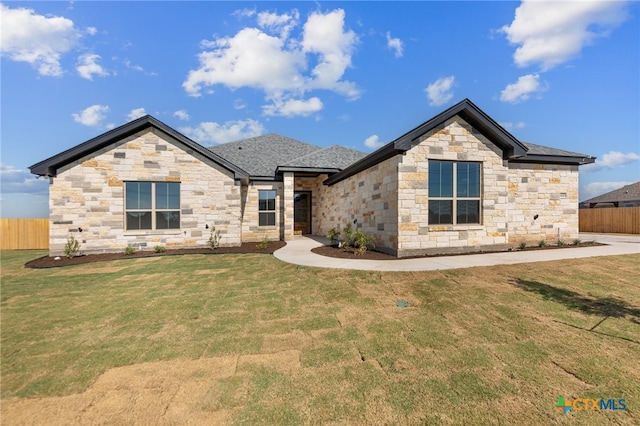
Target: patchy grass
{"points": [[249, 339]]}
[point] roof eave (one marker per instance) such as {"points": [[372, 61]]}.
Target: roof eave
{"points": [[328, 170], [50, 166], [553, 159], [370, 160]]}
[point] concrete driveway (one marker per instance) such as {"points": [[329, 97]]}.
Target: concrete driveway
{"points": [[298, 252]]}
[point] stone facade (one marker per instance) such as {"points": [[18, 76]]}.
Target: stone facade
{"points": [[88, 194], [367, 200], [391, 199], [520, 202], [251, 231]]}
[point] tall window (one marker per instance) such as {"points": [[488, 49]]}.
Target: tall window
{"points": [[152, 205], [454, 192], [266, 208]]}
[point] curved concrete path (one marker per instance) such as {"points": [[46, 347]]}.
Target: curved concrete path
{"points": [[298, 252]]}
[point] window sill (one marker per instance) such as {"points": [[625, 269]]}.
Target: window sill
{"points": [[444, 228], [143, 232]]}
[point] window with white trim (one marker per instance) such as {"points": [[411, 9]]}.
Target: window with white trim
{"points": [[152, 205], [267, 208], [454, 192]]}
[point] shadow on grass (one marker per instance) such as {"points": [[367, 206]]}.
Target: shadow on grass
{"points": [[606, 306]]}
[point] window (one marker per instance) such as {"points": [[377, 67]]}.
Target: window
{"points": [[152, 205], [454, 192], [266, 208]]}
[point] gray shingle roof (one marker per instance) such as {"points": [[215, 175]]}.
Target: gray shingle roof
{"points": [[333, 157], [535, 149], [261, 156], [629, 192]]}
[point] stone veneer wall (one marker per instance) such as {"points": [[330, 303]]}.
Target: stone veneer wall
{"points": [[251, 232], [511, 195], [89, 194], [370, 198]]}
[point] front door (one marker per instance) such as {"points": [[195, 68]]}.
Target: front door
{"points": [[302, 212]]}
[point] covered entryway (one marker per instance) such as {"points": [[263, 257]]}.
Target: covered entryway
{"points": [[302, 212]]}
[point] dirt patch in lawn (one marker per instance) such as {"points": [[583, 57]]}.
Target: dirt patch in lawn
{"points": [[51, 262], [349, 253], [169, 392]]}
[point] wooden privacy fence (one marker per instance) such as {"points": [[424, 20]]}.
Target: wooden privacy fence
{"points": [[22, 234], [623, 220]]}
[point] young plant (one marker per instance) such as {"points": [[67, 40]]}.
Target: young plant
{"points": [[129, 250], [576, 242], [214, 239], [333, 236], [542, 244], [263, 244], [72, 247], [523, 245], [362, 241], [159, 249], [347, 233], [560, 243]]}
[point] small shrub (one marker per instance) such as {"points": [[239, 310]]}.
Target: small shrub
{"points": [[560, 243], [576, 242], [542, 244], [159, 249], [522, 245], [129, 250], [72, 247], [362, 242], [333, 235], [347, 233], [263, 244], [214, 239]]}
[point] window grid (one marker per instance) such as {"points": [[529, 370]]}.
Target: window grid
{"points": [[152, 205], [266, 207], [466, 206]]}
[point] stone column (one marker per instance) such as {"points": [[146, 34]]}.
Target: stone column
{"points": [[288, 206]]}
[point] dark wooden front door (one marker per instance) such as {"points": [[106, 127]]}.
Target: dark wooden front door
{"points": [[302, 212]]}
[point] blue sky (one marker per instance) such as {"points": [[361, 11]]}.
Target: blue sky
{"points": [[358, 74]]}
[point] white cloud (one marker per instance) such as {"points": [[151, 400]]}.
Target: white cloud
{"points": [[282, 24], [522, 89], [594, 189], [373, 142], [511, 126], [211, 132], [136, 113], [88, 67], [611, 160], [293, 107], [20, 181], [36, 39], [239, 104], [440, 91], [92, 30], [182, 115], [271, 59], [395, 44], [550, 33], [91, 116], [324, 34]]}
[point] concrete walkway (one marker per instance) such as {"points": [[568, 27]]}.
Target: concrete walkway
{"points": [[298, 252]]}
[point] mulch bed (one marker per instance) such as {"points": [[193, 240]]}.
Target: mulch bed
{"points": [[340, 253], [50, 262]]}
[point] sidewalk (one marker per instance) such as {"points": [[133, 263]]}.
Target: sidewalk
{"points": [[298, 252]]}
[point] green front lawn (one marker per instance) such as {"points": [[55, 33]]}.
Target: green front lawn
{"points": [[494, 345]]}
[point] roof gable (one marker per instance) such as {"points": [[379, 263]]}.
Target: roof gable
{"points": [[334, 158], [512, 149], [50, 166]]}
